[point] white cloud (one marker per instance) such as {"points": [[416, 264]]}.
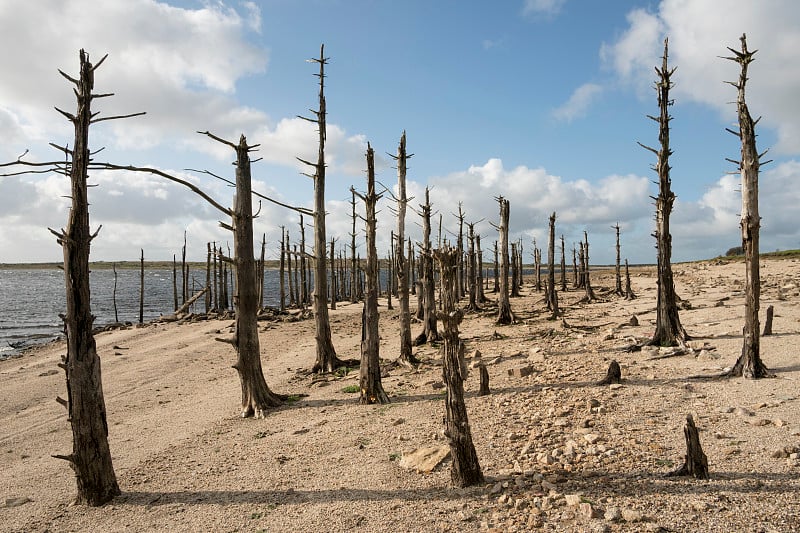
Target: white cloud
{"points": [[578, 103], [698, 35], [542, 7]]}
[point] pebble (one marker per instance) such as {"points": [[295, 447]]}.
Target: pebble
{"points": [[613, 514], [591, 438], [573, 500], [632, 515]]}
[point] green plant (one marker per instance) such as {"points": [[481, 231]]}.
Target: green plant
{"points": [[293, 398], [261, 434], [351, 389], [394, 456]]}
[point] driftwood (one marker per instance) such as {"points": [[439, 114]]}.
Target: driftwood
{"points": [[695, 462]]}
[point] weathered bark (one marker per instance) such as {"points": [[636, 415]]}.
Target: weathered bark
{"points": [[174, 282], [537, 266], [496, 287], [574, 268], [326, 360], [116, 314], [629, 295], [353, 263], [406, 356], [479, 281], [695, 463], [514, 271], [460, 247], [292, 298], [613, 375], [472, 275], [141, 288], [412, 268], [298, 289], [333, 274], [767, 322], [303, 278], [91, 457], [209, 290], [257, 398], [282, 269], [465, 470], [669, 331], [504, 314], [484, 388], [587, 280], [552, 296], [749, 364], [563, 267], [617, 267], [261, 272], [370, 370], [429, 331]]}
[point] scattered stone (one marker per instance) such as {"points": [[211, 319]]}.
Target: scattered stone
{"points": [[494, 360], [588, 512], [51, 372], [613, 514], [14, 501], [758, 422], [778, 422], [514, 436], [573, 500], [424, 460], [437, 385], [632, 515], [593, 403], [399, 421], [497, 488], [521, 371], [633, 321], [615, 386], [591, 438], [465, 516]]}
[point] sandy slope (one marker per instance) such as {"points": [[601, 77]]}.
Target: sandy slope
{"points": [[186, 462]]}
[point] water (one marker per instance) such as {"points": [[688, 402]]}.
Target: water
{"points": [[32, 299]]}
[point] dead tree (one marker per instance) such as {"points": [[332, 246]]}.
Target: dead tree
{"points": [[479, 274], [695, 463], [290, 273], [184, 271], [141, 288], [629, 295], [208, 297], [465, 470], [767, 322], [175, 304], [496, 286], [260, 272], [326, 360], [552, 295], [333, 273], [282, 269], [429, 331], [353, 263], [617, 269], [472, 269], [514, 270], [370, 370], [504, 314], [537, 266], [216, 277], [749, 363], [669, 331], [574, 268], [563, 267], [402, 270], [587, 280], [460, 247], [90, 459], [302, 264]]}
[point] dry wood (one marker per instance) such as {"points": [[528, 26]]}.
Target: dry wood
{"points": [[695, 463], [465, 469], [768, 321], [613, 375], [617, 266], [402, 267], [504, 314], [552, 296], [484, 388], [629, 295], [428, 295]]}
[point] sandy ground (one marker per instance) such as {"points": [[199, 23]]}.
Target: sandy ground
{"points": [[559, 452]]}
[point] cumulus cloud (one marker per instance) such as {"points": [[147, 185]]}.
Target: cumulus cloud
{"points": [[578, 103], [698, 35]]}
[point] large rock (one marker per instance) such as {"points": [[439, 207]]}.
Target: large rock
{"points": [[424, 460]]}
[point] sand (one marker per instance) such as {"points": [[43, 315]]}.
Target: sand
{"points": [[559, 452]]}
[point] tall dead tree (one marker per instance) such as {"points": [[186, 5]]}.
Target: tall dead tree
{"points": [[537, 266], [504, 314], [326, 360], [406, 356], [514, 270], [574, 267], [460, 246], [91, 457], [563, 267], [749, 363], [465, 469], [370, 369], [208, 297], [669, 331], [353, 263], [552, 296], [333, 273], [429, 331], [629, 295], [281, 269], [496, 272], [479, 274], [617, 266], [302, 263], [587, 280], [472, 269]]}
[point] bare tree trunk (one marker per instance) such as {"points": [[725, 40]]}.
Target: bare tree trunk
{"points": [[261, 272], [749, 364], [333, 274], [326, 360], [429, 331], [695, 463], [141, 288], [184, 272], [496, 287], [412, 268], [460, 246], [669, 330], [629, 295], [353, 264], [216, 281], [537, 260], [209, 297], [504, 314], [563, 267], [292, 299], [617, 270], [91, 457], [402, 263], [465, 470], [297, 288], [514, 271], [282, 269], [574, 268], [370, 369], [303, 278], [175, 282], [552, 296], [472, 276], [587, 281], [479, 273], [116, 315]]}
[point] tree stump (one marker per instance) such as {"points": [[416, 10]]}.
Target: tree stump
{"points": [[613, 375], [484, 390], [768, 321], [695, 462]]}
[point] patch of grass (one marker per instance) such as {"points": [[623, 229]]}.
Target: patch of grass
{"points": [[261, 434], [664, 462], [351, 389], [293, 398], [342, 371], [394, 456], [255, 516]]}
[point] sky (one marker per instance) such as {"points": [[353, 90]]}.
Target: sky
{"points": [[540, 101]]}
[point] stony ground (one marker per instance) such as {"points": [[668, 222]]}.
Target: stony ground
{"points": [[559, 452]]}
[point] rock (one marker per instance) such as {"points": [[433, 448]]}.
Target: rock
{"points": [[521, 371], [632, 515], [520, 504], [699, 506], [52, 372], [437, 385], [573, 500], [497, 488], [494, 361], [588, 512], [424, 460], [615, 386], [758, 422], [612, 514], [591, 438], [514, 436], [741, 411], [593, 403], [633, 321], [465, 516], [14, 501], [778, 422]]}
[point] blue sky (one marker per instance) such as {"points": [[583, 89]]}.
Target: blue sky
{"points": [[541, 101]]}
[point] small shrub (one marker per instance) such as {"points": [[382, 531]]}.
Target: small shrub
{"points": [[351, 389]]}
